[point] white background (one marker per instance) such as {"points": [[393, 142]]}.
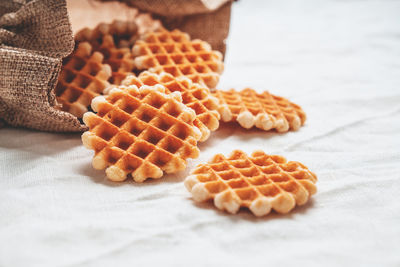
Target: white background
{"points": [[340, 60]]}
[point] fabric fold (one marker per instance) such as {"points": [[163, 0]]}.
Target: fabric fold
{"points": [[34, 37]]}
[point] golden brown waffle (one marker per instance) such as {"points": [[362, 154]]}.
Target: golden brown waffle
{"points": [[120, 60], [174, 53], [83, 76], [115, 40], [265, 111], [140, 132], [195, 96], [124, 34], [260, 182]]}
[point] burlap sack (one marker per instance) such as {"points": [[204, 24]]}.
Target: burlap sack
{"points": [[36, 34], [34, 37]]}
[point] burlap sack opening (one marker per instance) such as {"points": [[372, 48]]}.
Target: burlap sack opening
{"points": [[36, 34]]}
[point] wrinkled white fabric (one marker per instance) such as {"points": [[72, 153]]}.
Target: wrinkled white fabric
{"points": [[339, 60]]}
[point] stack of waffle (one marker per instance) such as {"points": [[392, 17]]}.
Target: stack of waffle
{"points": [[115, 41], [153, 97], [174, 53]]}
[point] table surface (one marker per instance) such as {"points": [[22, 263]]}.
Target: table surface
{"points": [[339, 60]]}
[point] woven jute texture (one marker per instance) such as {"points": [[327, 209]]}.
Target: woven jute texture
{"points": [[34, 37], [36, 34]]}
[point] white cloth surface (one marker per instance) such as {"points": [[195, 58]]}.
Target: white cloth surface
{"points": [[339, 60]]}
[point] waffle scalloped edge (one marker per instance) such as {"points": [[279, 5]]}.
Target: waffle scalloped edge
{"points": [[142, 132], [83, 76], [260, 182], [195, 96], [175, 53], [115, 40], [263, 110], [127, 32]]}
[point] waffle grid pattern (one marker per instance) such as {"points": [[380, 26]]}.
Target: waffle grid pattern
{"points": [[141, 132], [195, 96], [83, 77], [261, 182], [115, 40], [265, 111], [124, 34], [174, 53], [121, 60]]}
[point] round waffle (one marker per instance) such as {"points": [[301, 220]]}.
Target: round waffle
{"points": [[261, 182], [140, 132], [83, 76], [195, 96], [173, 52], [265, 111]]}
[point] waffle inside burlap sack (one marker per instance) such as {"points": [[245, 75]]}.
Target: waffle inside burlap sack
{"points": [[35, 35]]}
